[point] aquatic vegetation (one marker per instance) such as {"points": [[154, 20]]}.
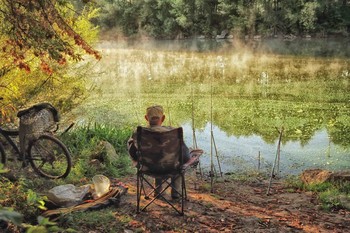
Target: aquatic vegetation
{"points": [[243, 93]]}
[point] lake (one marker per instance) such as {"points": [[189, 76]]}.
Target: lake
{"points": [[232, 98]]}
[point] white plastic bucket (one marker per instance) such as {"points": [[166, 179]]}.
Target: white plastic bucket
{"points": [[101, 185]]}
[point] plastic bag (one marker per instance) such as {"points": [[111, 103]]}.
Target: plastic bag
{"points": [[68, 194]]}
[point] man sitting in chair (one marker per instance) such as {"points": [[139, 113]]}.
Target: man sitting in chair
{"points": [[155, 117]]}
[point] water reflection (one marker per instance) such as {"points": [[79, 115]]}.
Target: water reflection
{"points": [[240, 153]]}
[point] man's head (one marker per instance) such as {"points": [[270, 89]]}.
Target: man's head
{"points": [[155, 115]]}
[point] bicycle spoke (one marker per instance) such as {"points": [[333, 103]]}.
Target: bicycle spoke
{"points": [[49, 157]]}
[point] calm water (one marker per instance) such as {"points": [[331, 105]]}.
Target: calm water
{"points": [[247, 90], [242, 153]]}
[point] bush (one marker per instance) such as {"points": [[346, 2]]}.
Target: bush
{"points": [[330, 194], [84, 142]]}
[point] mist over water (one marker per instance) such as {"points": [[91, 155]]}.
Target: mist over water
{"points": [[247, 90], [318, 47]]}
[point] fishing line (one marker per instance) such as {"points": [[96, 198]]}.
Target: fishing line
{"points": [[135, 108], [169, 116]]}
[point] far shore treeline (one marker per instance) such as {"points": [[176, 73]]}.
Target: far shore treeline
{"points": [[170, 19]]}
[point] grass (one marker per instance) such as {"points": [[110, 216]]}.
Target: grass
{"points": [[86, 144], [332, 195], [97, 220]]}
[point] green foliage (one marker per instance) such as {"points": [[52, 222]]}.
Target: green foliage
{"points": [[332, 195], [89, 135], [293, 182], [330, 199], [85, 144], [33, 199], [43, 29], [8, 215], [322, 187], [25, 204], [18, 198], [171, 19], [96, 220], [45, 226], [43, 78], [308, 16]]}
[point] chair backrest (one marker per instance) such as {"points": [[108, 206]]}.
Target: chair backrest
{"points": [[159, 152]]}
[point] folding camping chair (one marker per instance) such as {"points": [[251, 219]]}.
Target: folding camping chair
{"points": [[160, 156]]}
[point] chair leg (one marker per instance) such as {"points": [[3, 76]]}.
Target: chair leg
{"points": [[138, 193], [184, 193], [141, 188], [184, 186]]}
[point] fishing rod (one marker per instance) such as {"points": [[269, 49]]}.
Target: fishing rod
{"points": [[276, 162], [211, 173], [194, 138], [217, 155], [212, 142]]}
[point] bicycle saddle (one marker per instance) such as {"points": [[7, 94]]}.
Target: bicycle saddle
{"points": [[38, 107]]}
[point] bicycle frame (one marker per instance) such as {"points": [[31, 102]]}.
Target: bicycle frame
{"points": [[7, 134]]}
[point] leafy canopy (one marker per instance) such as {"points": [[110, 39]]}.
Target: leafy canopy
{"points": [[39, 27]]}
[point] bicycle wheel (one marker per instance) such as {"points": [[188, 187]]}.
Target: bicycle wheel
{"points": [[3, 155], [49, 157]]}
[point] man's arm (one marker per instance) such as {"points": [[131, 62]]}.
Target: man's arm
{"points": [[185, 153], [132, 148]]}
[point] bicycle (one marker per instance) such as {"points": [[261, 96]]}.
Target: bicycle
{"points": [[47, 155]]}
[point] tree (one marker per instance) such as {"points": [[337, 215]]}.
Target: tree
{"points": [[40, 41], [308, 16], [39, 28]]}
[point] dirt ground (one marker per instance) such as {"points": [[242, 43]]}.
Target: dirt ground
{"points": [[234, 206], [231, 206]]}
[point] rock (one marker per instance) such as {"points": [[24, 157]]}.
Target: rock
{"points": [[96, 164], [105, 153], [317, 176], [111, 154]]}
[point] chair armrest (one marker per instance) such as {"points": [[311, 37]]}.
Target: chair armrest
{"points": [[195, 154]]}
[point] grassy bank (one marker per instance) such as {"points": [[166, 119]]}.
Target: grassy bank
{"points": [[331, 195]]}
